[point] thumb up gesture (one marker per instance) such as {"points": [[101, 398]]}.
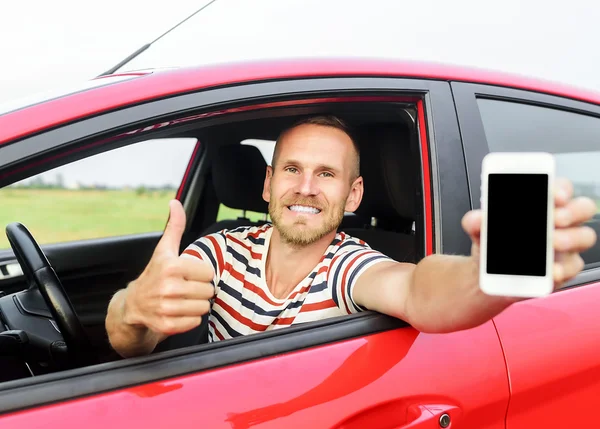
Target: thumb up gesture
{"points": [[172, 293]]}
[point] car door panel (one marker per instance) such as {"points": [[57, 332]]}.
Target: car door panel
{"points": [[552, 353], [91, 271], [97, 269], [395, 379], [398, 378]]}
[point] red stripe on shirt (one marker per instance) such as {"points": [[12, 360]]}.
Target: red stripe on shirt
{"points": [[346, 270], [332, 263], [245, 246], [284, 321], [257, 290], [328, 303], [298, 292], [322, 270], [217, 333], [193, 253], [247, 285], [237, 316], [255, 234], [218, 254]]}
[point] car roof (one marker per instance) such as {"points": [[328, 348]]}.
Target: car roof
{"points": [[122, 89]]}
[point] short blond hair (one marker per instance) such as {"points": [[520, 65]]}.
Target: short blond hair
{"points": [[325, 121]]}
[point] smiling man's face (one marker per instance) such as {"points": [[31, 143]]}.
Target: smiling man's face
{"points": [[312, 182]]}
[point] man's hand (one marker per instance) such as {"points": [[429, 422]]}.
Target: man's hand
{"points": [[570, 236], [172, 293], [442, 294]]}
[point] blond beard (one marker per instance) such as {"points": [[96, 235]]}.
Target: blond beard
{"points": [[297, 237]]}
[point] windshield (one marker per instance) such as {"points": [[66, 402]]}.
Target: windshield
{"points": [[21, 103]]}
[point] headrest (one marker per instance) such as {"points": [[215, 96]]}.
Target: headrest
{"points": [[387, 167], [239, 172]]}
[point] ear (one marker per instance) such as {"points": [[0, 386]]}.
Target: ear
{"points": [[266, 194], [355, 195]]}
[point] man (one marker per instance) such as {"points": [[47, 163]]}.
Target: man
{"points": [[299, 268]]}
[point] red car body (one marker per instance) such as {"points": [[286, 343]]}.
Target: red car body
{"points": [[535, 365]]}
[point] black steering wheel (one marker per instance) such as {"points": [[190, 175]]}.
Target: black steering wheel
{"points": [[40, 274]]}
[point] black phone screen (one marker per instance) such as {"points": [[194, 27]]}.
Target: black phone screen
{"points": [[517, 222]]}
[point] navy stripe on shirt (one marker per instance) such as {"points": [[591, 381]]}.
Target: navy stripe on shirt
{"points": [[353, 276], [240, 258], [232, 332]]}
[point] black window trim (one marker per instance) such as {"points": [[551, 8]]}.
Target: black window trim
{"points": [[442, 134], [168, 107], [474, 138]]}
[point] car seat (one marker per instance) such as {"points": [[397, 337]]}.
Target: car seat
{"points": [[390, 193]]}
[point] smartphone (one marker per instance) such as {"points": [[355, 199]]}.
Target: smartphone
{"points": [[516, 242]]}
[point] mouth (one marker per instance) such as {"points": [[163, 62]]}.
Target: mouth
{"points": [[304, 209]]}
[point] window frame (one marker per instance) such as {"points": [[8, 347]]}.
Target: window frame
{"points": [[25, 157], [447, 191], [475, 142]]}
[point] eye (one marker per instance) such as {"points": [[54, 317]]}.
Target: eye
{"points": [[326, 174], [291, 169]]}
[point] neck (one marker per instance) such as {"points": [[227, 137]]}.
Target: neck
{"points": [[287, 264]]}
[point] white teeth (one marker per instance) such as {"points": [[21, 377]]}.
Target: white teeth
{"points": [[304, 209]]}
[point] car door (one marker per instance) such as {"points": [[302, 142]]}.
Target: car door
{"points": [[550, 344], [364, 370]]}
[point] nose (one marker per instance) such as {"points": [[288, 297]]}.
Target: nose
{"points": [[307, 185]]}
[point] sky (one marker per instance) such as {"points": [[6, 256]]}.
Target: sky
{"points": [[50, 44]]}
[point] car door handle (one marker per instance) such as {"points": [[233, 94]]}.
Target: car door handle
{"points": [[400, 414], [10, 269]]}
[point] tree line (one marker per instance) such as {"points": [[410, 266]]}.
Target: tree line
{"points": [[39, 183]]}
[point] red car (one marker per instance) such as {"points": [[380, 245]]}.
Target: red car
{"points": [[423, 130]]}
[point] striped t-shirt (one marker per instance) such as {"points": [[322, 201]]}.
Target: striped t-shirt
{"points": [[243, 303]]}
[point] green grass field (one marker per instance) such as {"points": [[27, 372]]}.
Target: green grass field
{"points": [[56, 215]]}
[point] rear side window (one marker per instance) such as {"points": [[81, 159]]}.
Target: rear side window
{"points": [[573, 138]]}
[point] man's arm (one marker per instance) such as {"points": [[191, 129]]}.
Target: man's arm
{"points": [[441, 293], [170, 296]]}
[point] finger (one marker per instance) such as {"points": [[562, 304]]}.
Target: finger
{"points": [[563, 191], [175, 325], [576, 239], [187, 290], [171, 239], [199, 290], [184, 307], [568, 265], [471, 223], [577, 211], [196, 270]]}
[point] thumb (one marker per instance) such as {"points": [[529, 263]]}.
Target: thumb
{"points": [[171, 239]]}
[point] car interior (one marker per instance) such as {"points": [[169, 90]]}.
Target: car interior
{"points": [[39, 338]]}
